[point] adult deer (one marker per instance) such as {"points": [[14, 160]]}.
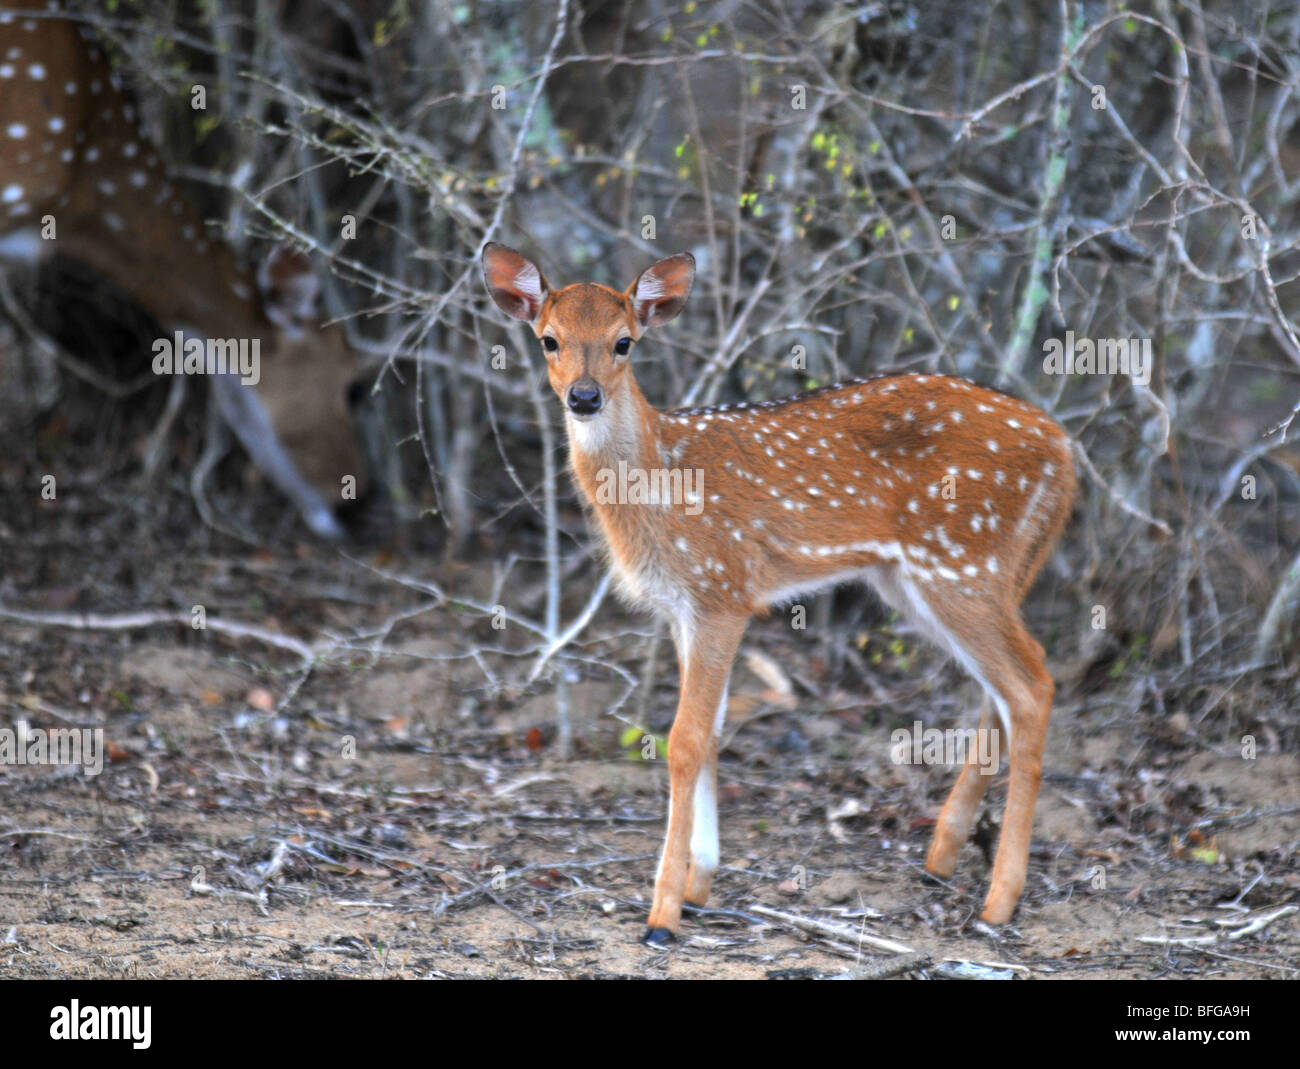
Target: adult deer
{"points": [[945, 496], [77, 177]]}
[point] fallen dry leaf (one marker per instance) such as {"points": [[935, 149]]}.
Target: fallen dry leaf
{"points": [[780, 689], [261, 699]]}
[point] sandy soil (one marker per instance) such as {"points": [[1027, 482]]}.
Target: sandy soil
{"points": [[232, 835]]}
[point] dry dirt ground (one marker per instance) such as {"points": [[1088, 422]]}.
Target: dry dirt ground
{"points": [[398, 808]]}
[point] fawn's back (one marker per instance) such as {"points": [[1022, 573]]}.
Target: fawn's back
{"points": [[959, 485]]}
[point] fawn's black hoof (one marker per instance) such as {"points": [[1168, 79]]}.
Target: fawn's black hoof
{"points": [[658, 937]]}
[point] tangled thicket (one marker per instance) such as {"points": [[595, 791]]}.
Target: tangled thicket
{"points": [[866, 187]]}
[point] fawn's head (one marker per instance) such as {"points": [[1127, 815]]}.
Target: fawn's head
{"points": [[587, 330]]}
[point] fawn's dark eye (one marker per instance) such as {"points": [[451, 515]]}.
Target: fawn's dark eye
{"points": [[550, 344], [623, 346]]}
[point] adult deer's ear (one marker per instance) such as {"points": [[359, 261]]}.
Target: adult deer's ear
{"points": [[662, 288], [289, 286], [516, 284]]}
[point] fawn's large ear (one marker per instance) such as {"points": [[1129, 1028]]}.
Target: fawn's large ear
{"points": [[516, 283], [662, 288], [289, 285]]}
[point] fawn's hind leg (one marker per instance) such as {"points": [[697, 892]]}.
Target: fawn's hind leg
{"points": [[958, 814]]}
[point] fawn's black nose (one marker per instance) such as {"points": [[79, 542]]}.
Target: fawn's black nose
{"points": [[584, 399]]}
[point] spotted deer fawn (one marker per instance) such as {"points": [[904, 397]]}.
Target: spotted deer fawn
{"points": [[75, 168], [946, 497]]}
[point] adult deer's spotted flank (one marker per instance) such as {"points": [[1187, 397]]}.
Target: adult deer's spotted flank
{"points": [[943, 495], [78, 177]]}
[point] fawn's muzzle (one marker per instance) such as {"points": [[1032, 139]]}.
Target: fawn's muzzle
{"points": [[584, 398]]}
